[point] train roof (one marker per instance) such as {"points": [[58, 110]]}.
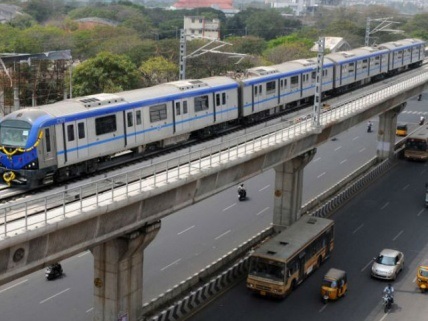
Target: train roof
{"points": [[151, 95], [401, 43], [355, 54]]}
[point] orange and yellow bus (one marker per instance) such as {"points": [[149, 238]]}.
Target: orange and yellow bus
{"points": [[416, 145], [284, 261]]}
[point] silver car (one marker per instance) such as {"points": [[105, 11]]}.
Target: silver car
{"points": [[388, 264]]}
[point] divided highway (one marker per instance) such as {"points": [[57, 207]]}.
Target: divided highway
{"points": [[194, 237]]}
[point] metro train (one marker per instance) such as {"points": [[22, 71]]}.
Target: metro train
{"points": [[74, 137]]}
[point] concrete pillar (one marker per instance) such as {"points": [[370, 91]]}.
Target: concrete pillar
{"points": [[386, 132], [118, 275], [288, 190]]}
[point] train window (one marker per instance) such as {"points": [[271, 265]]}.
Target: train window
{"points": [[158, 113], [48, 140], [81, 130], [260, 89], [270, 87], [285, 82], [255, 90], [70, 133], [105, 125], [130, 119], [325, 72], [223, 98], [217, 99], [177, 108], [351, 67], [185, 107], [138, 117], [314, 75], [201, 103], [294, 81]]}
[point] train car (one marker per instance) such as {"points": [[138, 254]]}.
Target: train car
{"points": [[76, 136], [357, 67], [404, 54], [267, 90]]}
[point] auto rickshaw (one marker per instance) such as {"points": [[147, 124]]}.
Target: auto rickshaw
{"points": [[422, 278], [401, 130], [334, 285]]}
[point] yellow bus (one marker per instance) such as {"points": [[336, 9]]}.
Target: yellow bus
{"points": [[281, 263], [416, 145]]}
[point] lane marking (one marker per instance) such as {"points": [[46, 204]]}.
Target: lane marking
{"points": [[362, 150], [221, 235], [12, 286], [355, 231], [323, 308], [189, 228], [55, 295], [316, 159], [421, 211], [356, 137], [169, 265], [321, 175], [262, 211], [384, 206], [87, 311], [229, 207], [337, 148], [344, 161], [384, 316], [405, 187], [264, 188], [398, 235], [368, 264]]}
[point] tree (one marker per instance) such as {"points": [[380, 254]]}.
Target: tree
{"points": [[106, 72], [267, 24], [158, 70]]}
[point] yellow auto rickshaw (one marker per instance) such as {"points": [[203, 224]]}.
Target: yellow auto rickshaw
{"points": [[334, 285], [422, 278], [401, 130]]}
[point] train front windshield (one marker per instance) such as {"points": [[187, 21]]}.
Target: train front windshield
{"points": [[14, 133]]}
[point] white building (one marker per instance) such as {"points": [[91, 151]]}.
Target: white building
{"points": [[202, 27]]}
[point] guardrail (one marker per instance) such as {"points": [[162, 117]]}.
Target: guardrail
{"points": [[39, 211]]}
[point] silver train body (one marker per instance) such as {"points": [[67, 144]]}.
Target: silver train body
{"points": [[77, 136]]}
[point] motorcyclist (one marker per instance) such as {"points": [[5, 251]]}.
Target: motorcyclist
{"points": [[56, 267], [241, 190], [422, 120], [389, 291], [369, 126]]}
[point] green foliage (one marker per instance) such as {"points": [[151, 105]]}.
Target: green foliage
{"points": [[418, 26], [106, 72], [291, 39], [39, 39], [158, 70], [288, 51]]}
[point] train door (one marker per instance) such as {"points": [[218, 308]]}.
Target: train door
{"points": [[82, 140], [180, 123], [130, 138], [48, 150], [258, 97], [70, 142]]}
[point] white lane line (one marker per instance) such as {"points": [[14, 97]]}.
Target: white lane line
{"points": [[362, 150], [421, 211], [368, 264], [322, 309], [84, 253], [316, 159], [356, 137], [414, 280], [89, 310], [55, 295], [398, 235], [262, 211], [169, 265], [183, 231], [229, 207], [12, 286], [355, 231], [344, 161], [406, 187], [385, 205], [221, 235], [264, 188], [384, 316], [337, 148], [320, 175]]}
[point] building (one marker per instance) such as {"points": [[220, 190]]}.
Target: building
{"points": [[222, 5], [8, 12], [202, 27], [334, 44]]}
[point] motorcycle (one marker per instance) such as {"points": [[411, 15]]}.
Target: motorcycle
{"points": [[242, 195], [54, 271], [387, 302]]}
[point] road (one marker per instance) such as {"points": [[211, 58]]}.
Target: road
{"points": [[390, 213], [192, 238]]}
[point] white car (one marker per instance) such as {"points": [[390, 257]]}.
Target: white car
{"points": [[388, 264]]}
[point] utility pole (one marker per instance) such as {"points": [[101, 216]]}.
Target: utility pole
{"points": [[318, 87], [383, 25]]}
